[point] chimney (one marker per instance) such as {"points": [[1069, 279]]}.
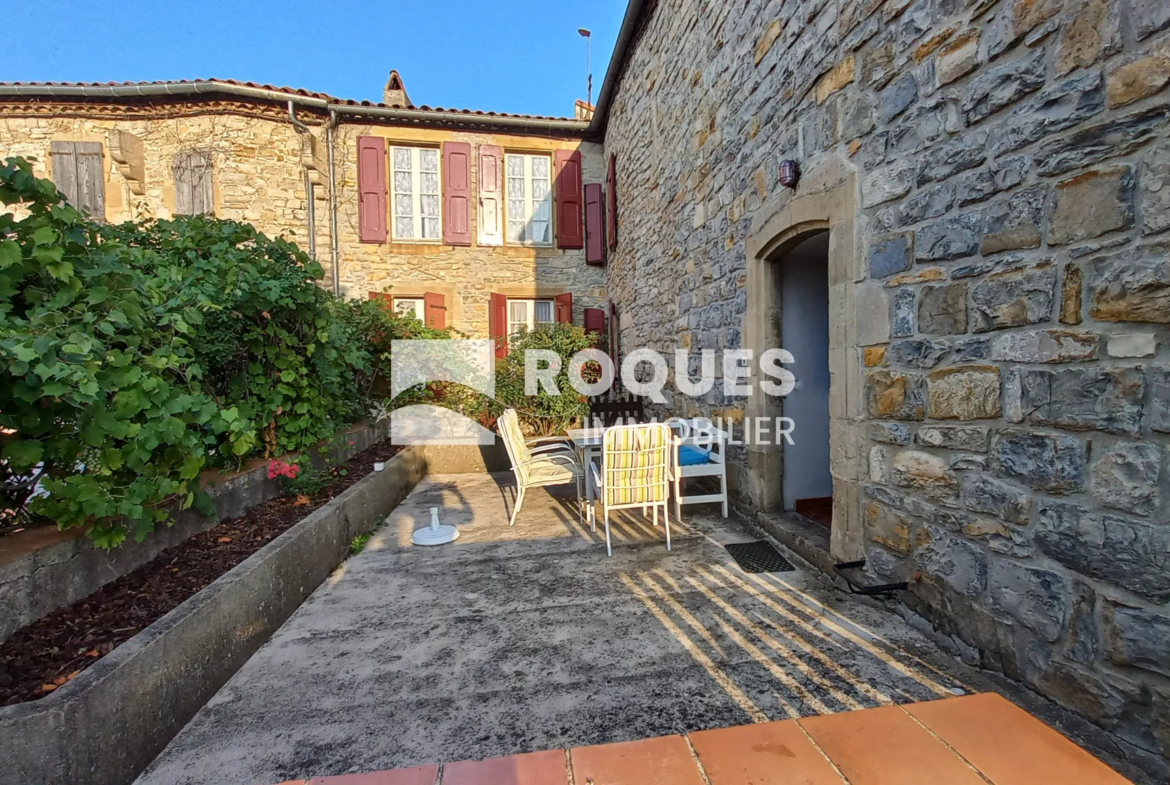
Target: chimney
{"points": [[394, 93]]}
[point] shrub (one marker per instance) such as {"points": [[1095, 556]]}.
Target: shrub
{"points": [[133, 356], [100, 395], [544, 414]]}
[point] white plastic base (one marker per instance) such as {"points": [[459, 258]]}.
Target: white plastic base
{"points": [[429, 535]]}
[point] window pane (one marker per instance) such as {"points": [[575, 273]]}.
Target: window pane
{"points": [[515, 187], [539, 166], [429, 182], [404, 205], [404, 228], [402, 183], [402, 158], [430, 206], [428, 160], [544, 311], [540, 210], [516, 166], [515, 231], [540, 233], [430, 228]]}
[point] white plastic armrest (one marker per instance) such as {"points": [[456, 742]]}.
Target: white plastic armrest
{"points": [[555, 457], [547, 448]]}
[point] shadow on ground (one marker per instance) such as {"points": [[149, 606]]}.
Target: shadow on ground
{"points": [[523, 638]]}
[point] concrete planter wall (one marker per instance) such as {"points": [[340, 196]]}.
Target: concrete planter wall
{"points": [[105, 726], [45, 569]]}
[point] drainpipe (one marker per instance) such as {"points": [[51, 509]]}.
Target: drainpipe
{"points": [[303, 129], [334, 249]]}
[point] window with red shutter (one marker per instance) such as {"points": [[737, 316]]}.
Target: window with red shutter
{"points": [[564, 308], [372, 189], [457, 193], [594, 221], [498, 323], [611, 203], [435, 308], [570, 233]]}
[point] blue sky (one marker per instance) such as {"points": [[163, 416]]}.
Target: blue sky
{"points": [[520, 56]]}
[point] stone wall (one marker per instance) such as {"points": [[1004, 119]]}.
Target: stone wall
{"points": [[1012, 161], [258, 172], [256, 164]]}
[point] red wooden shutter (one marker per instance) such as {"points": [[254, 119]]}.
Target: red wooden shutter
{"points": [[498, 323], [611, 203], [594, 320], [457, 193], [381, 296], [594, 221], [564, 308], [570, 233], [372, 189], [491, 195], [613, 333], [435, 309]]}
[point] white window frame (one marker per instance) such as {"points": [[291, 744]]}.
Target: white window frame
{"points": [[417, 306], [529, 321], [530, 204], [416, 194]]}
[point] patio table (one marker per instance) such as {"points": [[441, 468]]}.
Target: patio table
{"points": [[587, 442]]}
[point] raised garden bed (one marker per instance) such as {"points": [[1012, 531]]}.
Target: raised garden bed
{"points": [[43, 568], [42, 656], [106, 725]]}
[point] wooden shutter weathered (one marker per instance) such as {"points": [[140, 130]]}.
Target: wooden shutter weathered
{"points": [[491, 195], [498, 323], [435, 309], [595, 320], [564, 308], [570, 232], [193, 191], [611, 203], [594, 224], [457, 193], [372, 213], [78, 174]]}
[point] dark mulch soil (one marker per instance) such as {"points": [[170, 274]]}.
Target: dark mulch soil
{"points": [[42, 656]]}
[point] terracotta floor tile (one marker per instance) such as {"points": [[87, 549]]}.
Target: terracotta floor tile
{"points": [[1010, 746], [771, 753], [535, 768], [666, 759], [885, 746], [417, 775]]}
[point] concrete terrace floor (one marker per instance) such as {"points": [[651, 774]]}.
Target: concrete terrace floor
{"points": [[529, 638]]}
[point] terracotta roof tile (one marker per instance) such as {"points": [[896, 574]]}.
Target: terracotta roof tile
{"points": [[291, 91]]}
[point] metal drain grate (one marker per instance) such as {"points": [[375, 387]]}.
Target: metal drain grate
{"points": [[759, 556]]}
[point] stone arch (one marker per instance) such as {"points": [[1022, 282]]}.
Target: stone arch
{"points": [[826, 199]]}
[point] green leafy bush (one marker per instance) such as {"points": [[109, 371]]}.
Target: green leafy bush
{"points": [[100, 397], [133, 356], [544, 414]]}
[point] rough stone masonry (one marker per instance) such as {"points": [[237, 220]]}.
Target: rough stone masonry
{"points": [[1012, 162]]}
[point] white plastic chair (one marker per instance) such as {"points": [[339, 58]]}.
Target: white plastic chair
{"points": [[538, 466], [637, 469], [699, 437]]}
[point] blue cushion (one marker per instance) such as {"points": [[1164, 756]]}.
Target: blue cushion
{"points": [[689, 455]]}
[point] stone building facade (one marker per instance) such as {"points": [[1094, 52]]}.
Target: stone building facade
{"points": [[272, 170], [995, 179]]}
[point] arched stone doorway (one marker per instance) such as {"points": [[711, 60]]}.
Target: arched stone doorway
{"points": [[825, 200]]}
